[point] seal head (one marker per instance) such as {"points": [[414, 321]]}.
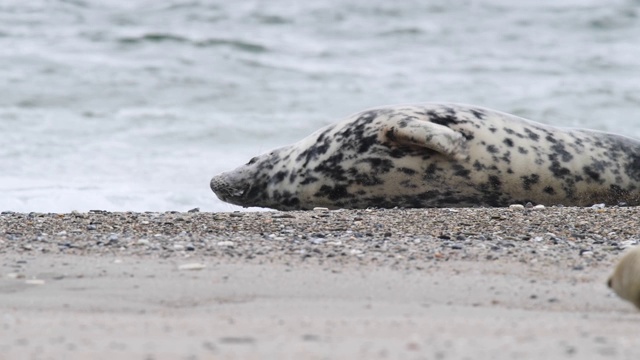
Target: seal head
{"points": [[625, 280]]}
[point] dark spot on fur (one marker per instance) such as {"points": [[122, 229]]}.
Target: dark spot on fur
{"points": [[549, 190], [332, 168], [555, 168], [633, 166], [364, 179], [367, 142], [595, 176], [407, 171], [333, 193], [479, 114], [522, 150], [309, 180], [391, 134], [257, 192], [492, 149], [292, 202], [508, 142], [398, 153], [253, 160], [495, 182], [459, 170], [559, 149], [279, 176], [379, 165], [467, 136], [527, 181], [431, 172], [513, 132], [442, 119], [533, 136], [506, 157]]}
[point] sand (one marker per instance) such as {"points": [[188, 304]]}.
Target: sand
{"points": [[357, 284]]}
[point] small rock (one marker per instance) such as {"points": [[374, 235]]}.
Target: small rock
{"points": [[237, 340], [192, 266], [586, 253], [225, 243], [320, 209], [516, 207], [34, 282]]}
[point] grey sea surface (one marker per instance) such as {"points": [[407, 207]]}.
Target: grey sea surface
{"points": [[134, 105]]}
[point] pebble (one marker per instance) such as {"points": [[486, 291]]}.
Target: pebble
{"points": [[516, 207], [192, 266], [34, 282]]}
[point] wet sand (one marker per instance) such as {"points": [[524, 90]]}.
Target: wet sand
{"points": [[357, 284]]}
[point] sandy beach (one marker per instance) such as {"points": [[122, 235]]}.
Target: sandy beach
{"points": [[357, 284]]}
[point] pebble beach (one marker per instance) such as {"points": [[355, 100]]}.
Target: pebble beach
{"points": [[561, 236], [375, 283]]}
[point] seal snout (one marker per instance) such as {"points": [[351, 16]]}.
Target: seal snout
{"points": [[221, 186]]}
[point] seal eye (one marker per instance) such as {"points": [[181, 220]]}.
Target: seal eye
{"points": [[610, 283], [252, 161]]}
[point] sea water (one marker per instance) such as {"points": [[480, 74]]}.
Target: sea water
{"points": [[131, 105]]}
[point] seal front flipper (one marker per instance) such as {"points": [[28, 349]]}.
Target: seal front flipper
{"points": [[424, 134]]}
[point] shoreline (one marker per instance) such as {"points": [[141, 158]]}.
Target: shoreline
{"points": [[350, 284]]}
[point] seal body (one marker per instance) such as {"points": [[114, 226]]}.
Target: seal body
{"points": [[625, 280], [438, 155]]}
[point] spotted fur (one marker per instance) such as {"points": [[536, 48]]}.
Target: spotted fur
{"points": [[438, 155]]}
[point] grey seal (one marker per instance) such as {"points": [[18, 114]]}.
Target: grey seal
{"points": [[438, 155], [625, 280]]}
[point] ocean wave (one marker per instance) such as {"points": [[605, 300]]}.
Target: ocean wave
{"points": [[209, 42]]}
